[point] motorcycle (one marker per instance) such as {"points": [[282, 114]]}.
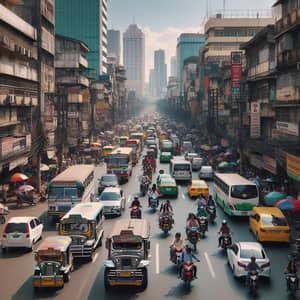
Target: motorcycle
{"points": [[212, 213], [153, 201], [187, 274], [193, 236], [144, 188], [3, 213], [176, 259], [202, 226], [253, 277], [135, 213], [165, 223], [292, 283], [226, 241]]}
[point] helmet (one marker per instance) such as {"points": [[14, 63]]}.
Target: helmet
{"points": [[224, 222], [136, 198], [177, 234], [188, 248], [168, 201], [253, 258]]}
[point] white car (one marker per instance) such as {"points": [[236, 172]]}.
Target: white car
{"points": [[190, 155], [113, 201], [197, 163], [239, 255], [21, 232], [206, 172]]}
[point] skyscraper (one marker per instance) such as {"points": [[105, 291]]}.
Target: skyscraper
{"points": [[87, 23], [173, 66], [160, 71], [188, 44], [114, 43], [134, 58]]}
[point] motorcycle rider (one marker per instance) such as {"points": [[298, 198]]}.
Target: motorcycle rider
{"points": [[166, 209], [154, 190], [191, 222], [202, 213], [211, 202], [177, 243], [252, 267], [291, 269], [223, 230], [145, 181], [188, 256], [136, 202], [201, 201]]}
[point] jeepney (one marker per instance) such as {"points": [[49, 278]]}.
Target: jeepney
{"points": [[128, 248], [84, 224], [53, 262]]}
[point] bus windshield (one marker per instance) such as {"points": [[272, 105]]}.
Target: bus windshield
{"points": [[63, 193], [76, 227], [244, 191]]}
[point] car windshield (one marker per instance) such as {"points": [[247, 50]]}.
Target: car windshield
{"points": [[109, 196], [248, 253], [127, 246], [108, 179], [182, 167], [63, 193], [75, 227], [206, 169], [16, 227], [244, 191], [270, 220]]}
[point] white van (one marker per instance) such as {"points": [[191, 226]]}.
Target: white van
{"points": [[181, 169]]}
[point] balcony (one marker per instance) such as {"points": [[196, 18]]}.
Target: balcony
{"points": [[288, 58], [73, 80], [260, 70], [288, 22], [18, 70], [47, 8], [11, 146]]}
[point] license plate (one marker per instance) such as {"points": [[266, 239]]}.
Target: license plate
{"points": [[125, 274], [244, 213], [16, 236]]}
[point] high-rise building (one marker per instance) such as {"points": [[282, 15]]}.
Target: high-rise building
{"points": [[152, 91], [160, 71], [87, 23], [134, 58], [173, 66], [188, 44], [114, 43]]}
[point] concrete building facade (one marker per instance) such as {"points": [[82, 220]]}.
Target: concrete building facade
{"points": [[134, 58], [173, 64], [114, 43], [160, 72]]}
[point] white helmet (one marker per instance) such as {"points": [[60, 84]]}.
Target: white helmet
{"points": [[224, 222]]}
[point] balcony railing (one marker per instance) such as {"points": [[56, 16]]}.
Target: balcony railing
{"points": [[73, 80], [288, 21], [259, 70], [10, 146]]}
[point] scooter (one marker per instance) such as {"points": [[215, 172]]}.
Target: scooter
{"points": [[202, 226], [135, 213], [153, 201], [144, 188], [187, 274], [253, 278], [193, 236], [226, 241], [292, 282], [165, 222], [176, 259], [212, 213]]}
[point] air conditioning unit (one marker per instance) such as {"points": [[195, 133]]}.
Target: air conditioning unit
{"points": [[11, 99]]}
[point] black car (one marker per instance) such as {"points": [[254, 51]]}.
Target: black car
{"points": [[108, 180]]}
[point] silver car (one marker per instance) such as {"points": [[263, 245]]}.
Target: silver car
{"points": [[206, 172]]}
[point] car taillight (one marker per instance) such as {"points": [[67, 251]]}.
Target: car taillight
{"points": [[263, 230], [265, 265], [241, 264], [27, 230]]}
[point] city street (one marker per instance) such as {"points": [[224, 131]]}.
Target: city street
{"points": [[215, 279]]}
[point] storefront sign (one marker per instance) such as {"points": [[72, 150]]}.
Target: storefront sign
{"points": [[256, 161], [255, 120], [288, 128], [269, 164], [293, 166]]}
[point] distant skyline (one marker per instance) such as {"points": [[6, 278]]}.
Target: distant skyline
{"points": [[163, 21]]}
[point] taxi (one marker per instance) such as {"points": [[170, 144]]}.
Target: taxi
{"points": [[162, 176], [107, 150], [269, 224], [197, 188], [165, 157], [168, 187]]}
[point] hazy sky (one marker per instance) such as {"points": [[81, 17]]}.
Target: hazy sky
{"points": [[163, 20]]}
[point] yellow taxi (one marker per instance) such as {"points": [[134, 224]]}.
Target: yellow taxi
{"points": [[197, 188], [269, 225], [107, 150]]}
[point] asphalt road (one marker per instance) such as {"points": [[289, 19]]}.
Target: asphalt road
{"points": [[215, 280]]}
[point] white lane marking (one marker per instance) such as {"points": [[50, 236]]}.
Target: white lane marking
{"points": [[157, 258], [95, 257], [212, 272], [183, 195]]}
